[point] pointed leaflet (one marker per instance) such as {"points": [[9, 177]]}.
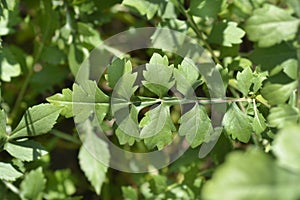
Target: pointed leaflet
{"points": [[8, 172], [25, 150], [271, 25], [157, 127], [116, 70], [244, 80], [226, 34], [158, 75], [186, 77], [86, 98], [195, 125], [3, 135], [286, 147], [128, 128], [154, 121], [237, 124], [33, 185], [37, 120], [251, 174], [91, 153], [64, 101]]}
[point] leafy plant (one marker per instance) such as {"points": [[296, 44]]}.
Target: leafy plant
{"points": [[255, 45]]}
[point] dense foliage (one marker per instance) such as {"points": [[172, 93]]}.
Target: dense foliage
{"points": [[256, 47]]}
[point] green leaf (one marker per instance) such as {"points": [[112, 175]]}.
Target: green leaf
{"points": [[295, 5], [283, 115], [33, 185], [3, 135], [63, 100], [25, 150], [154, 121], [87, 97], [144, 7], [258, 80], [205, 8], [186, 77], [93, 169], [259, 122], [270, 57], [8, 172], [116, 70], [129, 193], [36, 121], [157, 127], [128, 130], [286, 148], [244, 80], [226, 34], [271, 25], [9, 65], [251, 175], [158, 75], [237, 124], [290, 67], [278, 93], [195, 125]]}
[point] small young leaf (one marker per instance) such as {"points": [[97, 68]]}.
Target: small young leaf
{"points": [[33, 185], [186, 77], [158, 75], [116, 70], [195, 125], [25, 150], [8, 172], [237, 124], [36, 121], [271, 25], [226, 34], [244, 80]]}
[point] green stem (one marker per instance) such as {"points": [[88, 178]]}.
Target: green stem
{"points": [[191, 22], [65, 136]]}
